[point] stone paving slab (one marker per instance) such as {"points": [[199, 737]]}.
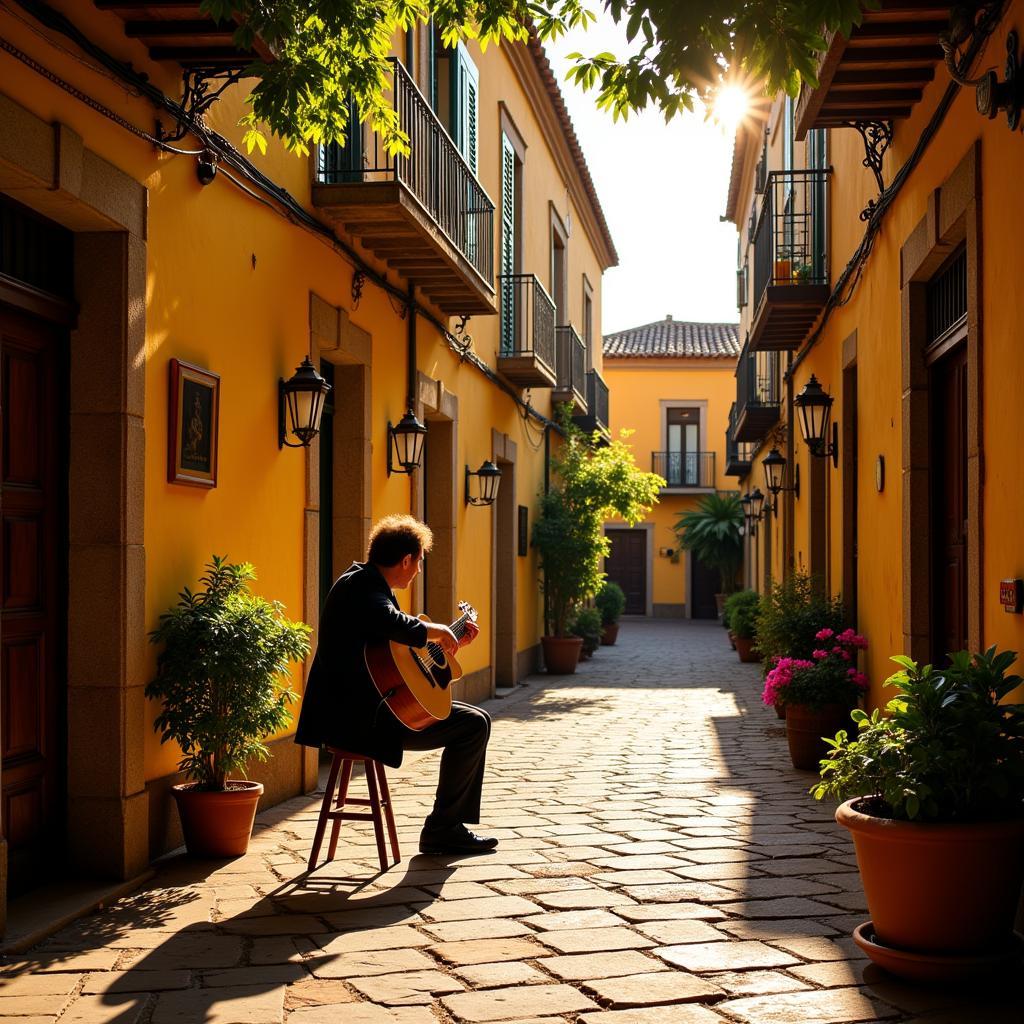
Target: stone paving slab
{"points": [[660, 863]]}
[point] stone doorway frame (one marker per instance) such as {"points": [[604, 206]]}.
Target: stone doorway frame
{"points": [[47, 168], [504, 566], [953, 218]]}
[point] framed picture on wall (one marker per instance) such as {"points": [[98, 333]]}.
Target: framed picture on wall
{"points": [[524, 535], [193, 417]]}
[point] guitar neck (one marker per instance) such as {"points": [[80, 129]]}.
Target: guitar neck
{"points": [[458, 627]]}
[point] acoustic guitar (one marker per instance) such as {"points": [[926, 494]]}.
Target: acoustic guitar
{"points": [[415, 682]]}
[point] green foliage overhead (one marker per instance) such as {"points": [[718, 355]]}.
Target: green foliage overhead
{"points": [[741, 612], [950, 749], [611, 602], [222, 673], [791, 613], [327, 49], [593, 482], [713, 532]]}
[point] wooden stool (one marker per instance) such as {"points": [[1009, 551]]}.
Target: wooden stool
{"points": [[380, 799]]}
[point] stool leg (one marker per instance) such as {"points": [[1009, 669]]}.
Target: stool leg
{"points": [[389, 815], [378, 824], [346, 775], [325, 806]]}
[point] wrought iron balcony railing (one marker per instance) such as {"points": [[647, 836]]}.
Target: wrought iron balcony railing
{"points": [[596, 416], [434, 171], [570, 366], [738, 454], [527, 353], [685, 469], [758, 394]]}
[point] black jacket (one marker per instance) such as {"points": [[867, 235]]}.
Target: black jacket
{"points": [[341, 706]]}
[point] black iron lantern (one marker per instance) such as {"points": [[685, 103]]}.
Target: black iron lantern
{"points": [[300, 406], [405, 444], [814, 404], [775, 475], [488, 476], [756, 503], [745, 502]]}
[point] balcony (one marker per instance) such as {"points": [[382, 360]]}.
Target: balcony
{"points": [[570, 370], [689, 470], [738, 454], [791, 279], [424, 214], [527, 354], [183, 33], [880, 72], [757, 394], [596, 416]]}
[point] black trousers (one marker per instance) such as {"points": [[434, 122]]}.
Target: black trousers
{"points": [[463, 736]]}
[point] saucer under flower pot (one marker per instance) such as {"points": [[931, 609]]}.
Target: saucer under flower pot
{"points": [[939, 968]]}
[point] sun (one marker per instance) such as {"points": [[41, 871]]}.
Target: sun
{"points": [[730, 105]]}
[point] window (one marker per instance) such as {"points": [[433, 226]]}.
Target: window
{"points": [[464, 94], [588, 321], [741, 286], [787, 135], [511, 184], [682, 457], [559, 269]]}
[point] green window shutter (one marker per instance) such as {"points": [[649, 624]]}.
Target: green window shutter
{"points": [[508, 244], [465, 92]]}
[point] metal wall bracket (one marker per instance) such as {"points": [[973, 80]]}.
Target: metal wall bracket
{"points": [[202, 87], [876, 136], [991, 95]]}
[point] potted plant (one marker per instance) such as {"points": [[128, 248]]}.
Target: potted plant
{"points": [[611, 602], [741, 611], [818, 693], [934, 795], [222, 678], [782, 267], [728, 626], [790, 615], [713, 532], [592, 482], [587, 626]]}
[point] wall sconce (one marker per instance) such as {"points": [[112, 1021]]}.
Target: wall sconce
{"points": [[775, 477], [991, 95], [757, 508], [748, 515], [488, 477], [814, 404], [300, 404], [405, 444]]}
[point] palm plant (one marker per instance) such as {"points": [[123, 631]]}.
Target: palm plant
{"points": [[713, 532]]}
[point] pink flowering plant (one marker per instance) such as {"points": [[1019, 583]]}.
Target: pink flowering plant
{"points": [[829, 676]]}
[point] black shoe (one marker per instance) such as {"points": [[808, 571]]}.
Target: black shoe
{"points": [[454, 839]]}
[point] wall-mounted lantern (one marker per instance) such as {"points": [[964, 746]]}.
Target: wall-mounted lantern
{"points": [[757, 503], [300, 406], [405, 444], [488, 476], [748, 515], [814, 404], [775, 477]]}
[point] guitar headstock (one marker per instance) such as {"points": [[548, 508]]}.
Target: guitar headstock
{"points": [[468, 611]]}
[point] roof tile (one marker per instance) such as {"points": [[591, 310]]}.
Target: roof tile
{"points": [[680, 339]]}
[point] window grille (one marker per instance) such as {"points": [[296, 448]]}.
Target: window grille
{"points": [[947, 298]]}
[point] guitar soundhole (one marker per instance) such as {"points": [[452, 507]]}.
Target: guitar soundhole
{"points": [[423, 668]]}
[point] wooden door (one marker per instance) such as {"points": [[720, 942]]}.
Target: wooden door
{"points": [[949, 504], [704, 584], [32, 585], [627, 566]]}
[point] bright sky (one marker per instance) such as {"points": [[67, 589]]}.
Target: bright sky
{"points": [[662, 188]]}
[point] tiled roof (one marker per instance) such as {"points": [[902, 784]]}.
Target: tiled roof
{"points": [[670, 338]]}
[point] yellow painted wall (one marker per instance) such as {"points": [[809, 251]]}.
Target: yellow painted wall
{"points": [[228, 288], [638, 387]]}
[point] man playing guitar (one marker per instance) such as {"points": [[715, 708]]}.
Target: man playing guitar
{"points": [[342, 708]]}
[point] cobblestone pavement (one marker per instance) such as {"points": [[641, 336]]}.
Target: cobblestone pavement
{"points": [[660, 863]]}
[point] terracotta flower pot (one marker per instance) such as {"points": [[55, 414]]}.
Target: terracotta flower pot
{"points": [[609, 634], [780, 710], [938, 888], [805, 728], [745, 649], [561, 653], [217, 824]]}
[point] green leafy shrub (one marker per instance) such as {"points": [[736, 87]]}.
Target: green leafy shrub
{"points": [[587, 624], [611, 602], [790, 616], [222, 673], [741, 612], [949, 750]]}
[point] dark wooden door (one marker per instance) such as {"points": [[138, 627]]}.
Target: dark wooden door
{"points": [[627, 566], [706, 582], [32, 578], [949, 504]]}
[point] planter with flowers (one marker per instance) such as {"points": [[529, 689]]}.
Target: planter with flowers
{"points": [[741, 612], [934, 793], [818, 693]]}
